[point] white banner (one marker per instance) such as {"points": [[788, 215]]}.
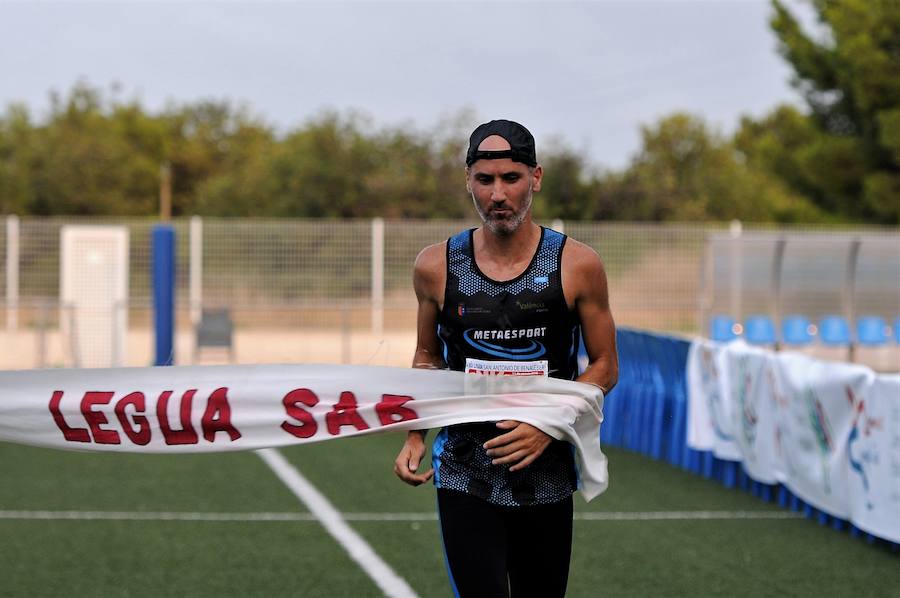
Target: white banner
{"points": [[222, 408], [752, 390], [820, 400], [874, 457], [710, 417], [828, 431]]}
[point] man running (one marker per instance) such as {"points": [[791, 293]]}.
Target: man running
{"points": [[509, 296]]}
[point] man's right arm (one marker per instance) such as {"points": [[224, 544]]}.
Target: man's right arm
{"points": [[429, 277]]}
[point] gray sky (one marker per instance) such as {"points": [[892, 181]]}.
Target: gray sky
{"points": [[588, 73]]}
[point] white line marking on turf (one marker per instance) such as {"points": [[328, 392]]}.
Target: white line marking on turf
{"points": [[358, 549], [378, 517], [154, 516], [685, 515]]}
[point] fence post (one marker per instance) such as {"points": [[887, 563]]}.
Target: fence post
{"points": [[736, 230], [12, 273], [195, 292], [377, 277], [163, 241], [706, 292], [43, 316], [346, 332], [777, 267], [849, 295]]}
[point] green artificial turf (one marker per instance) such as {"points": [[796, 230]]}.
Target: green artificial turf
{"points": [[143, 559], [754, 557]]}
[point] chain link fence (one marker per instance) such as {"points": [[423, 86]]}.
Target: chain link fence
{"points": [[341, 291]]}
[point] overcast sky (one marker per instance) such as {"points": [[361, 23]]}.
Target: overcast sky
{"points": [[587, 73]]}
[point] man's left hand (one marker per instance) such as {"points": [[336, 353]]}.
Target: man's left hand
{"points": [[521, 445]]}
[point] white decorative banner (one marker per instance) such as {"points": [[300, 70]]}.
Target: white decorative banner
{"points": [[710, 418], [753, 389], [820, 399], [874, 457], [223, 408], [828, 431]]}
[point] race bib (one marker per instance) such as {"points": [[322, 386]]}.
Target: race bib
{"points": [[507, 368]]}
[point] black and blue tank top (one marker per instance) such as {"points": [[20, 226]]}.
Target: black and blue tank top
{"points": [[521, 326]]}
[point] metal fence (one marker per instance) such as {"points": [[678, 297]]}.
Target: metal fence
{"points": [[341, 291]]}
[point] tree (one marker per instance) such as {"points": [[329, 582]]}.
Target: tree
{"points": [[220, 157], [91, 158], [16, 140], [319, 171], [686, 172], [849, 160], [567, 188]]}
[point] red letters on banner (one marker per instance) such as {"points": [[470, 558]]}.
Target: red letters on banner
{"points": [[344, 413], [70, 434], [187, 434], [133, 416], [141, 435], [131, 413], [391, 410], [217, 417], [307, 426], [95, 419]]}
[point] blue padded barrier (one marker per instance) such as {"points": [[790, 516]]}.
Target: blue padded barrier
{"points": [[647, 413], [783, 497], [743, 480], [729, 475]]}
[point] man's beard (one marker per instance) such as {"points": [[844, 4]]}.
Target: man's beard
{"points": [[505, 225]]}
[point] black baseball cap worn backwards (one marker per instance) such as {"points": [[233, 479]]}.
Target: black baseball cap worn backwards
{"points": [[521, 143]]}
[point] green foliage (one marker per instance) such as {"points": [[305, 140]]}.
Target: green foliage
{"points": [[16, 141], [91, 160], [567, 192], [686, 172], [219, 157], [844, 156], [95, 155]]}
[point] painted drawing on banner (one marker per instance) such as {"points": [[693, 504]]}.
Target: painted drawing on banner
{"points": [[862, 458], [712, 380], [822, 433], [748, 412]]}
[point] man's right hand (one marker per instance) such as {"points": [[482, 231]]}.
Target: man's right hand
{"points": [[407, 462]]}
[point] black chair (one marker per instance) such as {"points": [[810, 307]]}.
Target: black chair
{"points": [[215, 331]]}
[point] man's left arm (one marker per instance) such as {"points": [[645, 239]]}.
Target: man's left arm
{"points": [[590, 294], [585, 288]]}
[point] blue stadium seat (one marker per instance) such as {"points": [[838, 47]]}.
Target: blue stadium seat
{"points": [[723, 328], [834, 330], [759, 330], [897, 330], [871, 331], [797, 330]]}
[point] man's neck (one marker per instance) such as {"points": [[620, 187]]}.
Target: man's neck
{"points": [[502, 252]]}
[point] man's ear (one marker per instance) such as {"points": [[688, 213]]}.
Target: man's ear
{"points": [[536, 178]]}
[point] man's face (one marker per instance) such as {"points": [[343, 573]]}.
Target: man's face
{"points": [[502, 190]]}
